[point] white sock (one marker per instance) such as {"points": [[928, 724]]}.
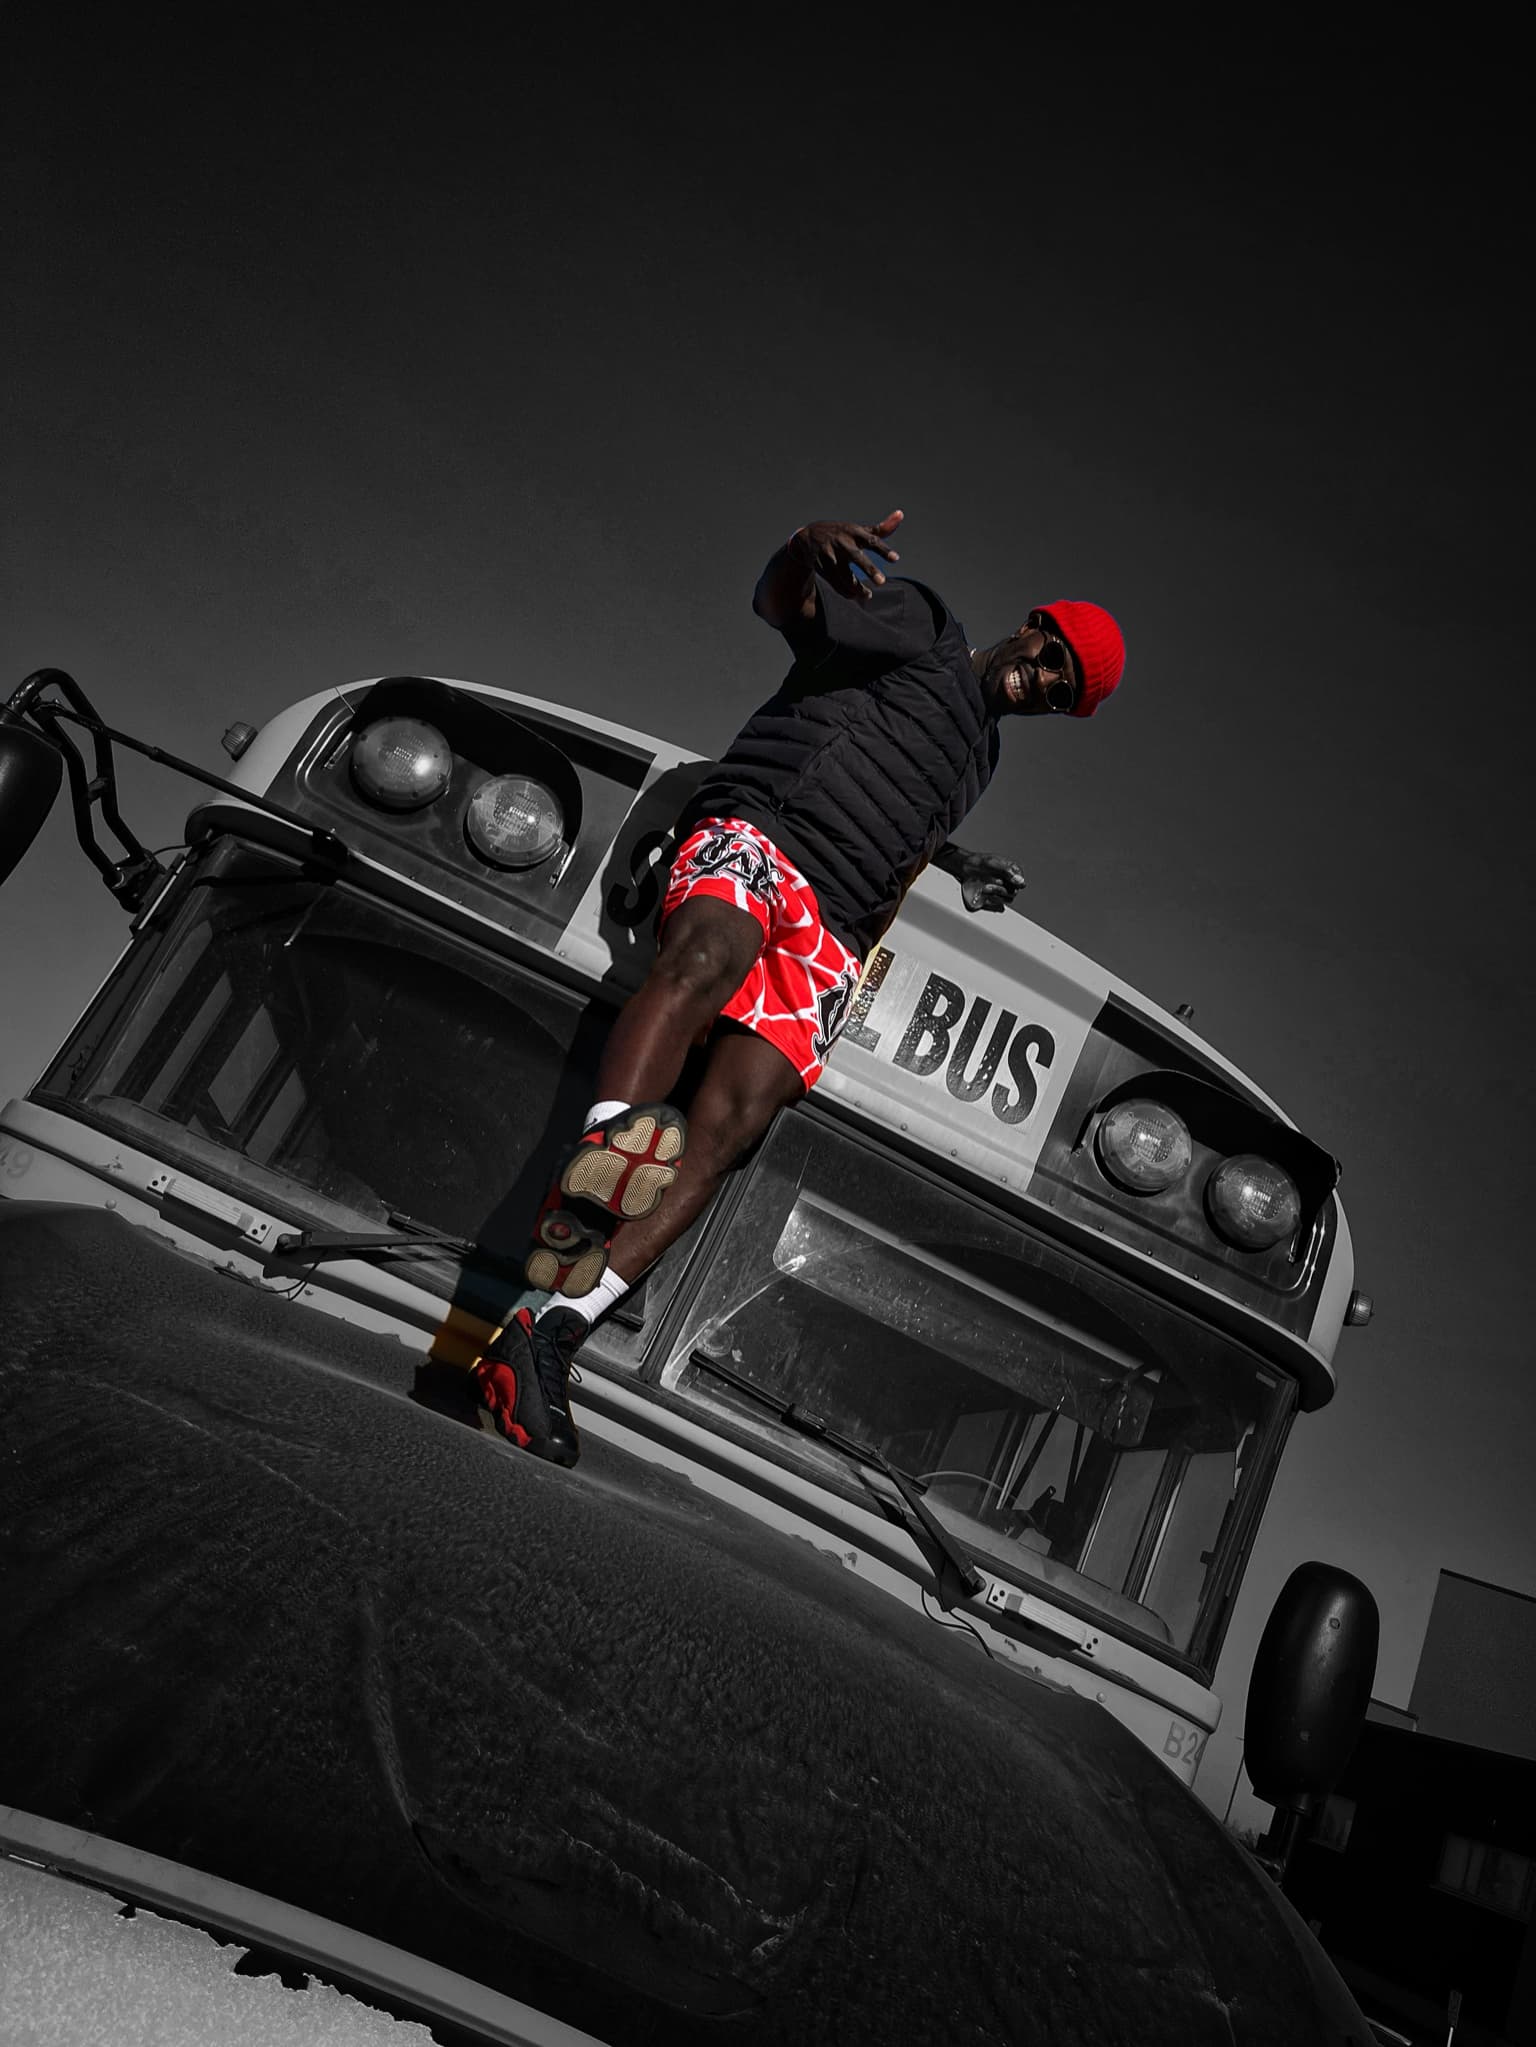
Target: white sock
{"points": [[608, 1293], [601, 1111]]}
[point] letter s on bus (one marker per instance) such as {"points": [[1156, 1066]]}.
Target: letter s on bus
{"points": [[1033, 1038], [631, 906]]}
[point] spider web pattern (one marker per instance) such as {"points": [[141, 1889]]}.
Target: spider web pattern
{"points": [[799, 990]]}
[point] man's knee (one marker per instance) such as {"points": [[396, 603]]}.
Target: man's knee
{"points": [[697, 969], [705, 960]]}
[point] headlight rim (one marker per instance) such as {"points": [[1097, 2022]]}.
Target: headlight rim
{"points": [[1230, 1233], [546, 848], [399, 803], [1113, 1165]]}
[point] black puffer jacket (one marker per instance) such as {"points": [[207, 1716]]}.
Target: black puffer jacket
{"points": [[875, 747]]}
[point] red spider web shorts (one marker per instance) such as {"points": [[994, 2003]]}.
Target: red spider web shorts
{"points": [[800, 988]]}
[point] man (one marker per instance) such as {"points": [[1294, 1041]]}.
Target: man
{"points": [[794, 856]]}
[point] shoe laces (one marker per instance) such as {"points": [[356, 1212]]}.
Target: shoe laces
{"points": [[553, 1369], [554, 1376]]}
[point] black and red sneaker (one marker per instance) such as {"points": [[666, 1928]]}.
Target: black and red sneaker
{"points": [[524, 1382], [617, 1173], [509, 1387]]}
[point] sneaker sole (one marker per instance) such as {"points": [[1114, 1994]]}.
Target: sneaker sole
{"points": [[552, 1274], [598, 1170], [637, 1135], [568, 1255], [597, 1174]]}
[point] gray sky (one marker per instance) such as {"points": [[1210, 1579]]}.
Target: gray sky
{"points": [[325, 363]]}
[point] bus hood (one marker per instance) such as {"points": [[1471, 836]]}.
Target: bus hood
{"points": [[591, 1737]]}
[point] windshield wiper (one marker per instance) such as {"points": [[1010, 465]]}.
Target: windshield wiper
{"points": [[956, 1576], [408, 1234]]}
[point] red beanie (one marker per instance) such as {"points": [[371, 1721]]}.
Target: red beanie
{"points": [[1097, 647]]}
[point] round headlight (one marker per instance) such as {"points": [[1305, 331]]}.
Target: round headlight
{"points": [[1143, 1147], [401, 763], [1252, 1202], [514, 821]]}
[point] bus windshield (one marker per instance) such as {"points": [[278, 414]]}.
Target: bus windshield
{"points": [[337, 1058], [1067, 1428]]}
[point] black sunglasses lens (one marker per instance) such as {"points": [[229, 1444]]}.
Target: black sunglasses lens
{"points": [[1060, 695]]}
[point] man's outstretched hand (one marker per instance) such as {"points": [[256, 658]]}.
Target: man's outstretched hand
{"points": [[986, 882], [834, 548]]}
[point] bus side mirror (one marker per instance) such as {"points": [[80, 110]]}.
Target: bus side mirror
{"points": [[31, 771], [1309, 1691]]}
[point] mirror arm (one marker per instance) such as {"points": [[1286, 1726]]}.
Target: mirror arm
{"points": [[132, 878]]}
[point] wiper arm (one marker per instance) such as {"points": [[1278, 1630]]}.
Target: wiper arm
{"points": [[952, 1567], [408, 1234]]}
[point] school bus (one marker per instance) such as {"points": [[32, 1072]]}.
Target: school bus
{"points": [[852, 1685]]}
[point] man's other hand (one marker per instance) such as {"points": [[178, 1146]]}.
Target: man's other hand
{"points": [[835, 548], [986, 882]]}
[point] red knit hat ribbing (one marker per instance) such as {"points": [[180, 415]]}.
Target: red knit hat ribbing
{"points": [[1097, 645]]}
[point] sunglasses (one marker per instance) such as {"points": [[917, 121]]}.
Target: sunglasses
{"points": [[1061, 692]]}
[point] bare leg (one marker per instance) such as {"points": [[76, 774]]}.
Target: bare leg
{"points": [[707, 949], [746, 1083]]}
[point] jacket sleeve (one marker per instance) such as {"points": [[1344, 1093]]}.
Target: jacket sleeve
{"points": [[855, 640]]}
